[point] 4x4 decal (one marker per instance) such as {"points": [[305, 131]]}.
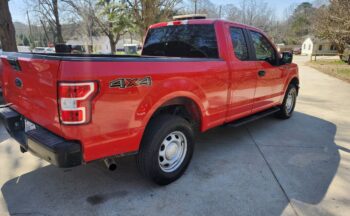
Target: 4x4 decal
{"points": [[130, 82]]}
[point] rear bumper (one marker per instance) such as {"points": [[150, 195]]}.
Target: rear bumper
{"points": [[41, 142]]}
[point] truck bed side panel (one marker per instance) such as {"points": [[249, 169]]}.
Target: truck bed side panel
{"points": [[120, 114]]}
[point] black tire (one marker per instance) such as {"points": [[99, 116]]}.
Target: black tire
{"points": [[286, 111], [148, 158]]}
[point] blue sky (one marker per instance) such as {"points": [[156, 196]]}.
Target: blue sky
{"points": [[18, 7]]}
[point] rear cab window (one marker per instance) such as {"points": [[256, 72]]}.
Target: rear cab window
{"points": [[193, 41]]}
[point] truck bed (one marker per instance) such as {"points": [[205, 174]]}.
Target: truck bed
{"points": [[100, 57], [119, 114]]}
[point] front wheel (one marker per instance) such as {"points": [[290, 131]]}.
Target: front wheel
{"points": [[289, 101], [166, 149]]}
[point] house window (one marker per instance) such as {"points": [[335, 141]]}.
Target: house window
{"points": [[333, 47], [309, 46], [304, 46], [320, 47]]}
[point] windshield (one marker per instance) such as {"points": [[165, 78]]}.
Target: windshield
{"points": [[195, 41]]}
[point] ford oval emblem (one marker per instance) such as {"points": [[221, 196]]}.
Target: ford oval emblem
{"points": [[18, 82]]}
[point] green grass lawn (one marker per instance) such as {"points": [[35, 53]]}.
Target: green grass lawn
{"points": [[336, 68]]}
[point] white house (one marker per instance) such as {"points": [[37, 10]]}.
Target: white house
{"points": [[312, 46], [280, 46], [23, 48], [100, 44]]}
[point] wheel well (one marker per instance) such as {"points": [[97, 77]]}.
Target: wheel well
{"points": [[295, 81], [184, 107]]}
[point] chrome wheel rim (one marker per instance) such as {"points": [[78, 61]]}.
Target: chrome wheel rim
{"points": [[290, 101], [172, 151]]}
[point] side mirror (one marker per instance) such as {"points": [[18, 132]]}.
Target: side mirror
{"points": [[287, 58]]}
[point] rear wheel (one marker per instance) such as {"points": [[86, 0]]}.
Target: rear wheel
{"points": [[166, 149], [289, 101]]}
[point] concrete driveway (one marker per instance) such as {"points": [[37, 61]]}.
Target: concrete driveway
{"points": [[269, 167]]}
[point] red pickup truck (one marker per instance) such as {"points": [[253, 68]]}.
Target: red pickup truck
{"points": [[192, 75]]}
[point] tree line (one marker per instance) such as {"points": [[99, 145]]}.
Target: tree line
{"points": [[50, 20]]}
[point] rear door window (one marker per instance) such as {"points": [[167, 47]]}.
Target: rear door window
{"points": [[239, 43], [194, 41]]}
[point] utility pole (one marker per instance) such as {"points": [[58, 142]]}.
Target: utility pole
{"points": [[220, 7], [195, 6], [90, 29], [30, 29]]}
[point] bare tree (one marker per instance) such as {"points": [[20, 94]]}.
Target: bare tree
{"points": [[232, 13], [207, 7], [256, 13], [148, 12], [57, 21], [251, 12], [47, 12], [87, 15], [320, 3], [7, 30]]}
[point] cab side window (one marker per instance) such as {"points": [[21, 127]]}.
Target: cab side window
{"points": [[264, 51], [239, 44]]}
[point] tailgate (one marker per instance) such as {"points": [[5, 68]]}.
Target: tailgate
{"points": [[30, 84]]}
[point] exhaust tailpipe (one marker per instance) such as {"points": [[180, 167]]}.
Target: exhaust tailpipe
{"points": [[111, 164]]}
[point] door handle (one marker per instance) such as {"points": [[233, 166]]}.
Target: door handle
{"points": [[13, 61], [261, 73]]}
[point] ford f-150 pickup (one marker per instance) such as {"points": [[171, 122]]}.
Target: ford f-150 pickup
{"points": [[193, 75]]}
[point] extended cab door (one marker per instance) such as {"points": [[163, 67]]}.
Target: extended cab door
{"points": [[243, 74], [270, 76]]}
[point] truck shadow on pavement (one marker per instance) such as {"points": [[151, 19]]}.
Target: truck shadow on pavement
{"points": [[237, 171]]}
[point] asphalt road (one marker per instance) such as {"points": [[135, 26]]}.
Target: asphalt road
{"points": [[300, 166]]}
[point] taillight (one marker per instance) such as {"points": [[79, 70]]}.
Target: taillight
{"points": [[74, 101]]}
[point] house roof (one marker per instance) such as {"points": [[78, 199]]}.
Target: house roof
{"points": [[317, 40]]}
